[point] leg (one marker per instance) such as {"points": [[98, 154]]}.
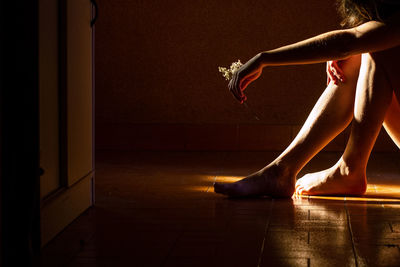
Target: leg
{"points": [[348, 175], [330, 115], [392, 120]]}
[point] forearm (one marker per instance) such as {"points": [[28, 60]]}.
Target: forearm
{"points": [[369, 37]]}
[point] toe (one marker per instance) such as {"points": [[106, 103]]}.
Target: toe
{"points": [[300, 190], [298, 187], [298, 184], [303, 192]]}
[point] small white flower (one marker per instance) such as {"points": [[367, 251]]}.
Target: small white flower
{"points": [[228, 73]]}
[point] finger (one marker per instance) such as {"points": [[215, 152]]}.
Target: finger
{"points": [[236, 86], [231, 89], [337, 67], [244, 84], [238, 98], [238, 90], [332, 75], [338, 71], [335, 76], [247, 80], [328, 79]]}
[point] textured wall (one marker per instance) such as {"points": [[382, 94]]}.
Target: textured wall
{"points": [[156, 72], [156, 61]]}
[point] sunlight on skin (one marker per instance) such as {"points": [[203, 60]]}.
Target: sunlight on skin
{"points": [[229, 179], [375, 193], [209, 179], [353, 199], [393, 206], [208, 188], [387, 189]]}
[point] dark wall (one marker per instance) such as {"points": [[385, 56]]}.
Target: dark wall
{"points": [[156, 61], [156, 64]]}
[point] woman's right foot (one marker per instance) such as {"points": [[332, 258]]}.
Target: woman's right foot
{"points": [[273, 180], [338, 180]]}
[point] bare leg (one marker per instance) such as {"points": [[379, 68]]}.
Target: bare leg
{"points": [[392, 120], [330, 115], [373, 97]]}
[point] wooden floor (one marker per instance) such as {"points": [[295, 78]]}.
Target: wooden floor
{"points": [[159, 209]]}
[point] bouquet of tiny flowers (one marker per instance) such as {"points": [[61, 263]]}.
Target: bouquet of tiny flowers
{"points": [[228, 73]]}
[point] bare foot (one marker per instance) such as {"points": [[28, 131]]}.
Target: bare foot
{"points": [[273, 180], [338, 180]]}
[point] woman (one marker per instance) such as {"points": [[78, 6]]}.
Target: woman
{"points": [[363, 87]]}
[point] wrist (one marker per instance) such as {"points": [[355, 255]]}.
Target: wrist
{"points": [[263, 59]]}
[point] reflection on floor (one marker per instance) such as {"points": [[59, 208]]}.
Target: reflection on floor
{"points": [[159, 209]]}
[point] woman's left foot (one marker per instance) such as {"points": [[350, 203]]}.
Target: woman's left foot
{"points": [[273, 180]]}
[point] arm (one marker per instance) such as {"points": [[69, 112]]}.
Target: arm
{"points": [[368, 37]]}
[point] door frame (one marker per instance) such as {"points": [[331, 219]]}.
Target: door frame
{"points": [[76, 184], [19, 133]]}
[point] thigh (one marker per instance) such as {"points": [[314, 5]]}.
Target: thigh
{"points": [[389, 60]]}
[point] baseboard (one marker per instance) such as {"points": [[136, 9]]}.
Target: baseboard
{"points": [[63, 207]]}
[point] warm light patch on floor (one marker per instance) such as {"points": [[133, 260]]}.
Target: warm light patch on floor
{"points": [[375, 193], [198, 188], [209, 188]]}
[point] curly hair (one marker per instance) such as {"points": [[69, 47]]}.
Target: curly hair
{"points": [[357, 12]]}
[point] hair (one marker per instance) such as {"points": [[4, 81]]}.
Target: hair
{"points": [[357, 12]]}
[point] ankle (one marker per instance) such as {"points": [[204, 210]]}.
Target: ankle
{"points": [[346, 168], [283, 167]]}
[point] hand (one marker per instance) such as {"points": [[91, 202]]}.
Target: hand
{"points": [[334, 71], [244, 76]]}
